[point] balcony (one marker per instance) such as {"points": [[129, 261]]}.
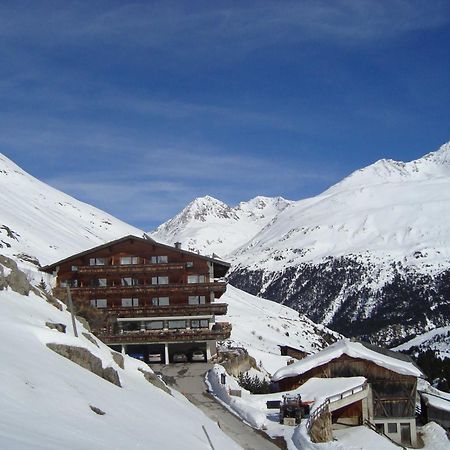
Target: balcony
{"points": [[130, 268], [220, 331], [127, 291], [169, 310]]}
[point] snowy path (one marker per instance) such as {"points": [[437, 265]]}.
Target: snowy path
{"points": [[189, 380]]}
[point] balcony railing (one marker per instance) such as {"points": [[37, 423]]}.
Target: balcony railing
{"points": [[220, 331], [169, 310], [130, 268], [105, 291]]}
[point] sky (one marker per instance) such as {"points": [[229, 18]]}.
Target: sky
{"points": [[139, 107]]}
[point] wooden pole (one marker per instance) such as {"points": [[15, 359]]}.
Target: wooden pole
{"points": [[69, 300]]}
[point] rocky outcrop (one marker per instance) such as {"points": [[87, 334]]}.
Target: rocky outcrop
{"points": [[14, 278], [237, 361], [84, 358], [56, 326], [118, 359], [155, 380]]}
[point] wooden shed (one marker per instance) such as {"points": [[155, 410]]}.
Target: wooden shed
{"points": [[391, 376]]}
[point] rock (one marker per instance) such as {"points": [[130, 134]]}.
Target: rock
{"points": [[56, 326], [118, 359], [97, 410], [90, 338], [155, 380], [16, 279], [83, 322], [84, 358]]}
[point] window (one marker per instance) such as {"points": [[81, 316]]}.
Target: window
{"points": [[203, 323], [189, 264], [99, 303], [196, 300], [379, 427], [97, 261], [196, 278], [160, 280], [63, 283], [128, 302], [125, 260], [154, 325], [160, 301], [173, 324], [128, 281], [159, 259], [74, 268], [392, 427]]}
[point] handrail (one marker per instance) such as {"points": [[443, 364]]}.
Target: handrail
{"points": [[320, 409]]}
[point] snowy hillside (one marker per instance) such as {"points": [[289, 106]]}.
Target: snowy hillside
{"points": [[369, 257], [37, 221], [437, 340], [211, 226], [51, 402], [261, 325]]}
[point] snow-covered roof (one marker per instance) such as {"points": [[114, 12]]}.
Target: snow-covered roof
{"points": [[437, 402], [383, 358]]}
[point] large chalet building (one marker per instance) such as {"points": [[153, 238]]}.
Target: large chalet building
{"points": [[153, 298]]}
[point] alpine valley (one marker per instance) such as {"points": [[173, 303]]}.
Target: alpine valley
{"points": [[369, 257]]}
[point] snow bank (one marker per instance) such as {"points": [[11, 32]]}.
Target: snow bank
{"points": [[244, 409]]}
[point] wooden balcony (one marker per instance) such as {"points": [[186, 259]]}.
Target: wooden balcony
{"points": [[169, 310], [133, 291], [220, 331], [130, 268]]}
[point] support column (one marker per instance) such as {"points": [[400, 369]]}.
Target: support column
{"points": [[123, 349], [166, 353]]}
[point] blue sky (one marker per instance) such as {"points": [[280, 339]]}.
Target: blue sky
{"points": [[139, 107]]}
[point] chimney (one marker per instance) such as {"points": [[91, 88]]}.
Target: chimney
{"points": [[178, 245]]}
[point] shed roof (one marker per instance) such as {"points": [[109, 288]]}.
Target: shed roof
{"points": [[51, 267], [396, 362]]}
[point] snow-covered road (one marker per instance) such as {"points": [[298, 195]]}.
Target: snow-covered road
{"points": [[189, 380]]}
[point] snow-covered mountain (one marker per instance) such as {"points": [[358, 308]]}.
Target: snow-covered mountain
{"points": [[37, 221], [369, 257], [211, 226], [50, 401]]}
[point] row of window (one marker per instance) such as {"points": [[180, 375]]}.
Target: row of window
{"points": [[129, 281], [128, 260], [156, 301], [164, 324]]}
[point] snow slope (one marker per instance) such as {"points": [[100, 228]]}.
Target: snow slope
{"points": [[390, 210], [437, 339], [261, 325], [44, 223], [211, 226], [46, 398]]}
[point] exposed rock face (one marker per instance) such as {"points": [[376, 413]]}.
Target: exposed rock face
{"points": [[87, 360], [321, 431], [118, 359], [56, 326], [97, 410], [348, 296], [15, 279], [154, 379], [90, 339], [237, 361]]}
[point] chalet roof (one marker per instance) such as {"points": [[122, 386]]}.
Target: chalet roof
{"points": [[396, 362], [50, 268]]}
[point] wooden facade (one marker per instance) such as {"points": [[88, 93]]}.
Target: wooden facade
{"points": [[147, 292], [392, 397]]}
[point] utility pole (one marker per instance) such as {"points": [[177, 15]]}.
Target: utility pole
{"points": [[69, 300]]}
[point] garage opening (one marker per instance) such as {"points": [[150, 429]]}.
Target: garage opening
{"points": [[149, 353], [187, 352]]}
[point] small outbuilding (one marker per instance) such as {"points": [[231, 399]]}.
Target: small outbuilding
{"points": [[391, 377]]}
